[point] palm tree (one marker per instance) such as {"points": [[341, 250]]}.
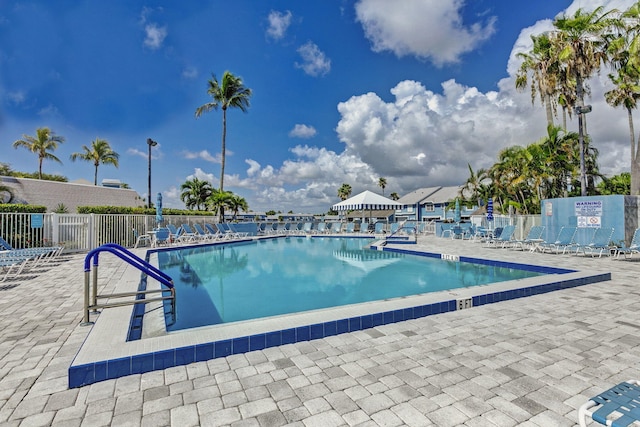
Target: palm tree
{"points": [[626, 92], [394, 196], [230, 92], [382, 183], [542, 63], [44, 141], [580, 41], [476, 188], [236, 204], [100, 152], [344, 192], [195, 193], [218, 201]]}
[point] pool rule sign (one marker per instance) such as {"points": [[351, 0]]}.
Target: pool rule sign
{"points": [[589, 214]]}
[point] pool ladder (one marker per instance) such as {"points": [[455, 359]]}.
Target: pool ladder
{"points": [[91, 298]]}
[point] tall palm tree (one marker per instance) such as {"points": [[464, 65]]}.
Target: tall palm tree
{"points": [[344, 192], [581, 44], [236, 204], [229, 92], [394, 196], [41, 144], [218, 201], [100, 152], [382, 183], [542, 63], [476, 188], [624, 51], [195, 193]]}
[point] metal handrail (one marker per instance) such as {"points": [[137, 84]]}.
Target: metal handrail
{"points": [[91, 301], [414, 229]]}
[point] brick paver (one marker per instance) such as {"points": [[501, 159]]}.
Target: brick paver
{"points": [[527, 362]]}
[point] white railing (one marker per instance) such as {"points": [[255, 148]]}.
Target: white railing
{"points": [[83, 232]]}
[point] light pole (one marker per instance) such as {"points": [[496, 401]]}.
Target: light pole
{"points": [[150, 143]]}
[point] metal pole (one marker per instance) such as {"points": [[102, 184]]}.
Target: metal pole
{"points": [[150, 143]]}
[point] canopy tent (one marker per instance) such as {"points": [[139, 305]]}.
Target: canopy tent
{"points": [[366, 200]]}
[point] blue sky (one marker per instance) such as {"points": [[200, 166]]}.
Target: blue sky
{"points": [[343, 92]]}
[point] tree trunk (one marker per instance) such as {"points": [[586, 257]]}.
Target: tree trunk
{"points": [[547, 104], [223, 153], [635, 167]]}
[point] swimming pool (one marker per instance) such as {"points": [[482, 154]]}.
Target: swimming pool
{"points": [[232, 283], [107, 353]]}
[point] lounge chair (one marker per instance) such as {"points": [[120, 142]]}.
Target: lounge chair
{"points": [[189, 235], [321, 228], [600, 243], [350, 228], [4, 245], [633, 248], [504, 239], [163, 237], [141, 239], [533, 236], [378, 228], [306, 228], [204, 235], [619, 406], [565, 240]]}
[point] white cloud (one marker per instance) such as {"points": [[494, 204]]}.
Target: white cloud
{"points": [[314, 62], [190, 73], [16, 97], [278, 24], [203, 155], [427, 29], [155, 35], [302, 131]]}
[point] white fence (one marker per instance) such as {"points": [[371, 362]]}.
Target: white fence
{"points": [[83, 232], [80, 232]]}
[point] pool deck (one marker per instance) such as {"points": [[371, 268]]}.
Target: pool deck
{"points": [[531, 361]]}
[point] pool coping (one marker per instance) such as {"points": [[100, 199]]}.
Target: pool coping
{"points": [[106, 355]]}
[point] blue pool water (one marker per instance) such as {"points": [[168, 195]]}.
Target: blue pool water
{"points": [[230, 283]]}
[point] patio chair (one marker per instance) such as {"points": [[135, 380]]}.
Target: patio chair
{"points": [[189, 235], [600, 243], [204, 235], [504, 239], [378, 228], [215, 231], [350, 228], [321, 228], [4, 245], [618, 406], [163, 237], [141, 239], [564, 240], [533, 236], [633, 248]]}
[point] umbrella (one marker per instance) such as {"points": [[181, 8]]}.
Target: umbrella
{"points": [[159, 218], [490, 210], [456, 212], [366, 200]]}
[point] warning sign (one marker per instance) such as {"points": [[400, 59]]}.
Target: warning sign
{"points": [[589, 222], [589, 208]]}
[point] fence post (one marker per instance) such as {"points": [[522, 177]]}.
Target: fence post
{"points": [[91, 233], [55, 229]]}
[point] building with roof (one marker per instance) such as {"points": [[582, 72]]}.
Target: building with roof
{"points": [[53, 194], [430, 203]]}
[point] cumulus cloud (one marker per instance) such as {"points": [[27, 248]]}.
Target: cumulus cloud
{"points": [[154, 36], [278, 24], [190, 73], [314, 62], [427, 29], [302, 131], [203, 155]]}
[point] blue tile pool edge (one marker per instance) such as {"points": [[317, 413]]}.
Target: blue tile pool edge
{"points": [[90, 373]]}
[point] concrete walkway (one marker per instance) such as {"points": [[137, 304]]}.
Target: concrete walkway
{"points": [[526, 362]]}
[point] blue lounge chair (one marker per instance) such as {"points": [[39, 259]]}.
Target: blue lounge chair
{"points": [[204, 235], [350, 228], [600, 242], [321, 228], [533, 236], [504, 239], [378, 228], [618, 407], [141, 239], [633, 248], [565, 240]]}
